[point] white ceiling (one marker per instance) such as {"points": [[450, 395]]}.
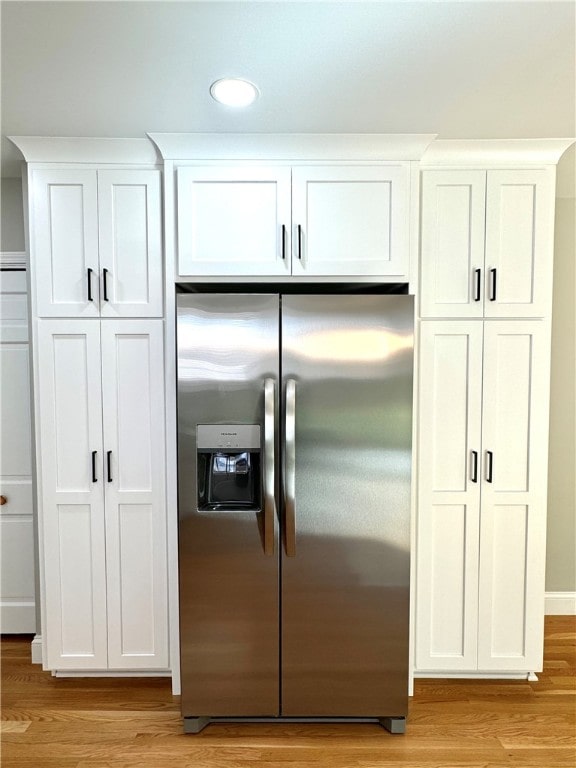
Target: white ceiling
{"points": [[459, 69]]}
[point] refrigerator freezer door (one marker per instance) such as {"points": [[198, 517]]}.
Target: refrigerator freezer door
{"points": [[227, 374], [345, 587]]}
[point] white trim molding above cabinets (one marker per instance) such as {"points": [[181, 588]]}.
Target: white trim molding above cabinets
{"points": [[301, 207]]}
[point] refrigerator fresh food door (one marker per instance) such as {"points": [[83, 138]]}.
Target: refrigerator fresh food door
{"points": [[347, 422], [228, 556]]}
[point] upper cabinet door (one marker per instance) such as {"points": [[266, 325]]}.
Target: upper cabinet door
{"points": [[519, 243], [487, 243], [130, 242], [452, 250], [233, 221], [64, 242], [350, 220]]}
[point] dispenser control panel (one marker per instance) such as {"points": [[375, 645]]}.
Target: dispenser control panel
{"points": [[228, 437]]}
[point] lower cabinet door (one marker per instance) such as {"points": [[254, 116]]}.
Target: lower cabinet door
{"points": [[450, 386], [134, 459], [72, 497], [513, 517]]}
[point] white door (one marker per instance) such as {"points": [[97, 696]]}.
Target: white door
{"points": [[70, 465], [350, 220], [133, 399], [64, 233], [17, 587], [452, 277], [130, 243], [450, 386], [233, 221], [519, 243], [513, 519]]}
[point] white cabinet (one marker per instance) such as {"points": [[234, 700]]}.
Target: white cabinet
{"points": [[101, 474], [481, 495], [305, 221], [487, 243], [96, 242], [17, 583]]}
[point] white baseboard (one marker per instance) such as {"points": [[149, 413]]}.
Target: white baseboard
{"points": [[36, 648], [560, 604], [17, 617]]}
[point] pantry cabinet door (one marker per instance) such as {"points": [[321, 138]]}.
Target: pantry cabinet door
{"points": [[513, 522], [71, 490], [452, 247], [233, 221], [350, 220], [134, 446], [130, 242], [450, 386], [64, 241], [519, 243]]}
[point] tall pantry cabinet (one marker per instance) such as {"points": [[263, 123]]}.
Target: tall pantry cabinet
{"points": [[97, 315], [483, 396]]}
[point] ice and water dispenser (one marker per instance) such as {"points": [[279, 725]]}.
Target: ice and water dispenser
{"points": [[229, 467]]}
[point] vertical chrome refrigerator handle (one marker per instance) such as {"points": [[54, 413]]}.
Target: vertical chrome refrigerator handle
{"points": [[269, 459], [290, 470]]}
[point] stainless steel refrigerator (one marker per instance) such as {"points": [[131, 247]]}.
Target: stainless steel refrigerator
{"points": [[294, 460]]}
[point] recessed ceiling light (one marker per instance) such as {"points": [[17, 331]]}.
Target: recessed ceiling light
{"points": [[234, 92]]}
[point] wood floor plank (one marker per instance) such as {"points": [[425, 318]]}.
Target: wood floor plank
{"points": [[50, 722]]}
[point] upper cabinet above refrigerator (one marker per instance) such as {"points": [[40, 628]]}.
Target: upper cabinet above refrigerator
{"points": [[304, 221], [486, 243], [96, 238]]}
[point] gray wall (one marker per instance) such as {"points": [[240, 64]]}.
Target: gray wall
{"points": [[561, 548], [11, 220]]}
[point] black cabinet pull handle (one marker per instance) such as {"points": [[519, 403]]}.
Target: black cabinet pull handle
{"points": [[283, 241], [94, 478], [109, 465], [300, 242], [492, 285], [104, 280], [474, 475], [89, 279], [489, 466], [477, 284]]}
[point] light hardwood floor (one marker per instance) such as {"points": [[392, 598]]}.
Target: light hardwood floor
{"points": [[135, 723]]}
